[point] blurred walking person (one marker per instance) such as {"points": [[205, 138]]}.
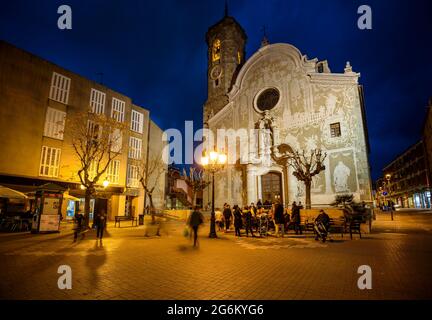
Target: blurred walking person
{"points": [[279, 219], [100, 223], [248, 220], [78, 225], [195, 220]]}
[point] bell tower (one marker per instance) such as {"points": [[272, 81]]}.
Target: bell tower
{"points": [[226, 42]]}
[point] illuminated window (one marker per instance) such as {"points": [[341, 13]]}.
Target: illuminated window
{"points": [[335, 130], [238, 57], [216, 50]]}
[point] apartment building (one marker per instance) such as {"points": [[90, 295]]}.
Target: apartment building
{"points": [[36, 96]]}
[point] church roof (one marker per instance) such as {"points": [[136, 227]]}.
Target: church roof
{"points": [[226, 21]]}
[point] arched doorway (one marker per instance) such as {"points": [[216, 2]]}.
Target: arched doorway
{"points": [[271, 187]]}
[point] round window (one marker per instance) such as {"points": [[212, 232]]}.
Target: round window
{"points": [[268, 99]]}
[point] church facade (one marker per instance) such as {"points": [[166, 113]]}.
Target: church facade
{"points": [[308, 107]]}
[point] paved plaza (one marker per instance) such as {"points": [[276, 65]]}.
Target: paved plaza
{"points": [[128, 265]]}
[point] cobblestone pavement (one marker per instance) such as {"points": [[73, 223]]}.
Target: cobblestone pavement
{"points": [[130, 266]]}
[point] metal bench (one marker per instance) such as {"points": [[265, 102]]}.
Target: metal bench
{"points": [[118, 219], [338, 225]]}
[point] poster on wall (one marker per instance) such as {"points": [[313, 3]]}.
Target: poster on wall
{"points": [[51, 206], [49, 222]]}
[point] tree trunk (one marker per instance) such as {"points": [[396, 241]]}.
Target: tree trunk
{"points": [[88, 196], [308, 194], [152, 211]]}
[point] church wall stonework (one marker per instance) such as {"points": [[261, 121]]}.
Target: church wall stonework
{"points": [[309, 103]]}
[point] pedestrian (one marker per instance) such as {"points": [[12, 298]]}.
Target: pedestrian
{"points": [[227, 215], [259, 204], [219, 219], [195, 220], [249, 219], [238, 224], [78, 225], [287, 219], [295, 217], [279, 219], [100, 223]]}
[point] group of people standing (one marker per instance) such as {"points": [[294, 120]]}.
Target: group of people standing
{"points": [[249, 218], [80, 227]]}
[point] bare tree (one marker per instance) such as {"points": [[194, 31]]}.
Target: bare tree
{"points": [[96, 140], [306, 167], [150, 172], [196, 181]]}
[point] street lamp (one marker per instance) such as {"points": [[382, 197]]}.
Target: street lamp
{"points": [[105, 183], [212, 163], [388, 177]]}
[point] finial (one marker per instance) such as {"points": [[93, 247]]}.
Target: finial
{"points": [[264, 41], [348, 67]]}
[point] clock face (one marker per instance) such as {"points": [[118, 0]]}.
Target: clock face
{"points": [[216, 72]]}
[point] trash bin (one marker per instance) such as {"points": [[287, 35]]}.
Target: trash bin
{"points": [[141, 219]]}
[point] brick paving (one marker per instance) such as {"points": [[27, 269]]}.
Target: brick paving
{"points": [[131, 266]]}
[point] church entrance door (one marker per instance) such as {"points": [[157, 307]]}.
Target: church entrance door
{"points": [[271, 186]]}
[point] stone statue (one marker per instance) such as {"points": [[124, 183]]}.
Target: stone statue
{"points": [[340, 177]]}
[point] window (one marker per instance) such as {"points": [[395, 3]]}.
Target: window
{"points": [[268, 99], [137, 119], [335, 130], [117, 140], [97, 101], [113, 171], [216, 50], [132, 177], [118, 109], [54, 123], [94, 130], [50, 159], [135, 145], [59, 88]]}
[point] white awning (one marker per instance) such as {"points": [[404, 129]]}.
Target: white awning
{"points": [[11, 193]]}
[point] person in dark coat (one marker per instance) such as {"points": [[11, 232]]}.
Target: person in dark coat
{"points": [[100, 223], [295, 217], [78, 225], [238, 224], [279, 219], [195, 220], [227, 216], [248, 220]]}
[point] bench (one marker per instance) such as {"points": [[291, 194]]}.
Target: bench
{"points": [[338, 225], [306, 225], [118, 219], [354, 227]]}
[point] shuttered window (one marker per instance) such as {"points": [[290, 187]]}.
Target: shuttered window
{"points": [[118, 109], [60, 86], [137, 119], [135, 146], [50, 159], [133, 176], [113, 171], [97, 101], [54, 123]]}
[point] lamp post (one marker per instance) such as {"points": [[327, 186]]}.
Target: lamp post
{"points": [[388, 177], [212, 163]]}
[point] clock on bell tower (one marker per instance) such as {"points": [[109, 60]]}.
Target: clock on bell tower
{"points": [[226, 42]]}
